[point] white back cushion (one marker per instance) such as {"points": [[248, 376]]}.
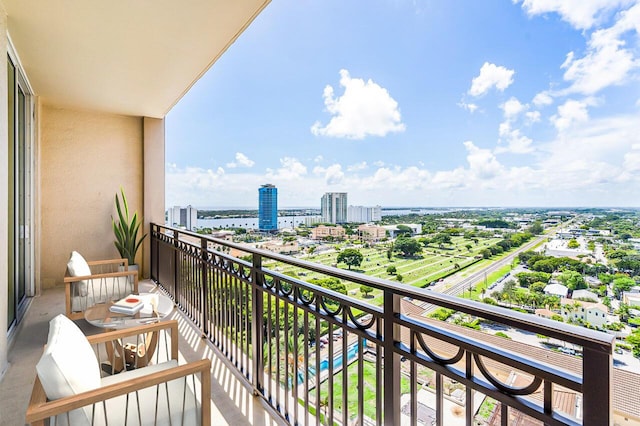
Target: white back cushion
{"points": [[68, 365], [78, 267]]}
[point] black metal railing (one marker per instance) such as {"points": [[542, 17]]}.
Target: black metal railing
{"points": [[319, 356]]}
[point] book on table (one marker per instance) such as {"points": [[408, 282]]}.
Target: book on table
{"points": [[128, 305]]}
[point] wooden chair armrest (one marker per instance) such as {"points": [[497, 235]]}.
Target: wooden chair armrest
{"points": [[109, 262], [68, 279], [110, 336], [39, 411]]}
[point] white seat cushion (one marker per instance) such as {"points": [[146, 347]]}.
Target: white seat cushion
{"points": [[78, 267], [68, 365], [175, 401]]}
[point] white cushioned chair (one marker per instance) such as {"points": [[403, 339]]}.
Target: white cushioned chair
{"points": [[69, 389], [88, 283]]}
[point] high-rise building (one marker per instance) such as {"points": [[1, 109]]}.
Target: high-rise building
{"points": [[361, 214], [268, 208], [186, 217], [334, 207]]}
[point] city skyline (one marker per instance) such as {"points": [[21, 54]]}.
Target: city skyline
{"points": [[448, 104]]}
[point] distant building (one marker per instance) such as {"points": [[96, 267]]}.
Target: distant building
{"points": [[593, 313], [289, 247], [371, 232], [312, 220], [584, 294], [631, 299], [268, 208], [556, 290], [334, 207], [324, 231], [361, 214], [416, 229], [185, 217]]}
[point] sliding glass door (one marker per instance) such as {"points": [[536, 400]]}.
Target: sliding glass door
{"points": [[19, 144]]}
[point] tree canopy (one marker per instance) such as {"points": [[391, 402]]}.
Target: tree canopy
{"points": [[407, 246], [352, 257]]}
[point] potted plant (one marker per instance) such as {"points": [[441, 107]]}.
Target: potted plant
{"points": [[126, 231]]}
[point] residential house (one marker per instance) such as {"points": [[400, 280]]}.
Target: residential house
{"points": [[588, 312], [556, 289]]}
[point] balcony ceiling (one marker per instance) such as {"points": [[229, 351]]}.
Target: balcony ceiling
{"points": [[121, 56]]}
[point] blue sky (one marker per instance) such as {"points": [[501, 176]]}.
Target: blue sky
{"points": [[417, 103]]}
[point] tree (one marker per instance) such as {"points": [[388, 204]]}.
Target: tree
{"points": [[399, 277], [573, 280], [573, 244], [537, 287], [311, 250], [365, 290], [441, 238], [352, 257], [536, 228], [634, 340], [468, 247], [622, 284], [331, 283], [486, 253], [407, 246], [391, 270]]}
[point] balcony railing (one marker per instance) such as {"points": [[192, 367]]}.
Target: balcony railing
{"points": [[293, 341]]}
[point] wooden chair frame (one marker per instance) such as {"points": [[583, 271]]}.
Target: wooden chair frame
{"points": [[40, 410], [69, 280]]}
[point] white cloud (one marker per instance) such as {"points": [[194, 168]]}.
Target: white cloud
{"points": [[318, 159], [532, 116], [468, 106], [490, 76], [607, 61], [290, 169], [512, 108], [517, 143], [332, 175], [357, 167], [364, 109], [582, 14], [482, 163], [241, 161], [379, 163], [542, 99], [570, 113]]}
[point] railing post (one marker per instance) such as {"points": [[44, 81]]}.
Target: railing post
{"points": [[154, 253], [176, 273], [391, 378], [204, 292], [257, 329], [597, 374]]}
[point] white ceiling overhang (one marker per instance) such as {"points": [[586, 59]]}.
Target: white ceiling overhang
{"points": [[132, 57]]}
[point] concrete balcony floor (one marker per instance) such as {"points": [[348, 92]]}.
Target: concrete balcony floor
{"points": [[232, 403]]}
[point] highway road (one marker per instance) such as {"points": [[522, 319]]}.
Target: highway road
{"points": [[454, 285]]}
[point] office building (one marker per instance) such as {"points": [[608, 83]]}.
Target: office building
{"points": [[362, 214], [334, 207], [268, 208], [186, 217]]}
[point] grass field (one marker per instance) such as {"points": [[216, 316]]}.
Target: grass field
{"points": [[432, 264], [369, 394]]}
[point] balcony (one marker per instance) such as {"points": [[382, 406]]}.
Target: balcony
{"points": [[432, 368], [290, 340]]}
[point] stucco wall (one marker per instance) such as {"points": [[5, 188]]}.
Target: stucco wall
{"points": [[85, 157]]}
